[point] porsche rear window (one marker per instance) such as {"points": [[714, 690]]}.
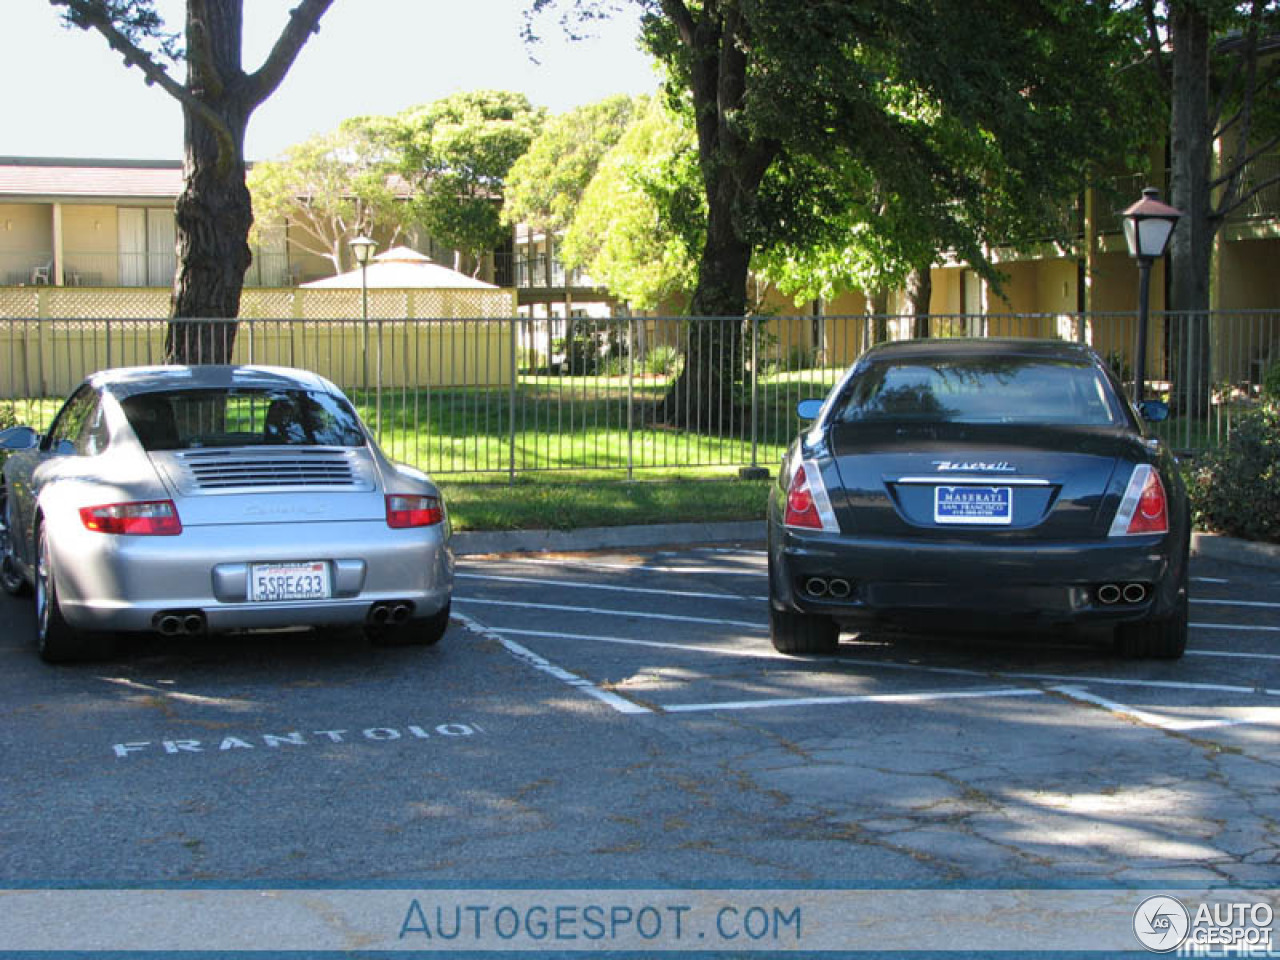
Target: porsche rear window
{"points": [[189, 419], [980, 390]]}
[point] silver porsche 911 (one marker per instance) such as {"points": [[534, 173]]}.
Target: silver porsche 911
{"points": [[193, 500]]}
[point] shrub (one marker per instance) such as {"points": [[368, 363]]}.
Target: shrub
{"points": [[1236, 490], [662, 361], [1271, 383]]}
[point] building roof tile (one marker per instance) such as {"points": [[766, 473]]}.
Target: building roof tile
{"points": [[89, 179]]}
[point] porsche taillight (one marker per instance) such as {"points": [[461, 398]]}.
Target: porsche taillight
{"points": [[807, 504], [139, 518], [1144, 509], [406, 510]]}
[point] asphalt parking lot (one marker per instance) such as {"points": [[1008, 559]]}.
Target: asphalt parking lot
{"points": [[679, 632], [620, 718]]}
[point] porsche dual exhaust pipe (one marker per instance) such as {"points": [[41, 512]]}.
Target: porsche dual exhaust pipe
{"points": [[179, 623], [390, 612]]}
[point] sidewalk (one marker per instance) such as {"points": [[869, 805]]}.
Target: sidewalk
{"points": [[752, 532]]}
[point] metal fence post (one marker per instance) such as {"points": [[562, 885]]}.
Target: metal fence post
{"points": [[631, 397], [511, 404], [755, 393]]}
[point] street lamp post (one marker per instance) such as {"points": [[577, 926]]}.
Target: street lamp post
{"points": [[1148, 224], [362, 249]]}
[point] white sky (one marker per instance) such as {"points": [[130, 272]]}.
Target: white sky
{"points": [[67, 95]]}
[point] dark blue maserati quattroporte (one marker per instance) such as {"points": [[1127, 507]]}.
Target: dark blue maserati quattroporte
{"points": [[989, 483]]}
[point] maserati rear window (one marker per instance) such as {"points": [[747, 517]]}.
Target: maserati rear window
{"points": [[1025, 390], [187, 419]]}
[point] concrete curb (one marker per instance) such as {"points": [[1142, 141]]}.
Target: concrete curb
{"points": [[606, 538], [1213, 547], [1207, 545]]}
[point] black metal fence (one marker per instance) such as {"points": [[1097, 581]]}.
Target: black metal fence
{"points": [[629, 396]]}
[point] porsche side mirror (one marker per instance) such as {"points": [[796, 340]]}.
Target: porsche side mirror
{"points": [[808, 409]]}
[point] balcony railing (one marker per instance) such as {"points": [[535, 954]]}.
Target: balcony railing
{"points": [[93, 269], [1265, 204], [26, 269], [530, 273]]}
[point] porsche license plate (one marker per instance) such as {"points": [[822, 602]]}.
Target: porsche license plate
{"points": [[274, 582], [970, 504]]}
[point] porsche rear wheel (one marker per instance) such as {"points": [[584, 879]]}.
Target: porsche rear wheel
{"points": [[56, 640], [802, 632], [419, 633]]}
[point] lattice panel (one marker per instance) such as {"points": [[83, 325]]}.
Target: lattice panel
{"points": [[266, 304], [463, 304], [117, 303], [18, 302]]}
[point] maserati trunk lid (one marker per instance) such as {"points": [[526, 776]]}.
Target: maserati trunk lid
{"points": [[1009, 482]]}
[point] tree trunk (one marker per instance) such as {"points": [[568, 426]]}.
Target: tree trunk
{"points": [[919, 293], [214, 211], [733, 161], [877, 310], [214, 214], [705, 396], [1191, 249]]}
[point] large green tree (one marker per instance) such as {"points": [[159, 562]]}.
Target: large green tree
{"points": [[1218, 65], [456, 153], [546, 183], [636, 227], [218, 97], [333, 188], [944, 107]]}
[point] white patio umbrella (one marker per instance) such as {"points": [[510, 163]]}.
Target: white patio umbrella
{"points": [[400, 268]]}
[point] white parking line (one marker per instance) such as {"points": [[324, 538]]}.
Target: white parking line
{"points": [[1258, 715], [1233, 626], [525, 655], [1238, 603], [925, 697], [761, 653], [1233, 654], [571, 584], [643, 615]]}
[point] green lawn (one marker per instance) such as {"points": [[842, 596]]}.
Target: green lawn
{"points": [[557, 506]]}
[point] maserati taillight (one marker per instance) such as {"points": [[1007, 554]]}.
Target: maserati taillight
{"points": [[807, 504], [1144, 509], [144, 518]]}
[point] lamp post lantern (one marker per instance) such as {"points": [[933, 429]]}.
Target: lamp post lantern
{"points": [[1148, 224], [362, 248]]}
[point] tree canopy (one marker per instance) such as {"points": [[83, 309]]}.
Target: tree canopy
{"points": [[456, 154], [636, 229], [333, 188], [547, 182], [912, 126]]}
